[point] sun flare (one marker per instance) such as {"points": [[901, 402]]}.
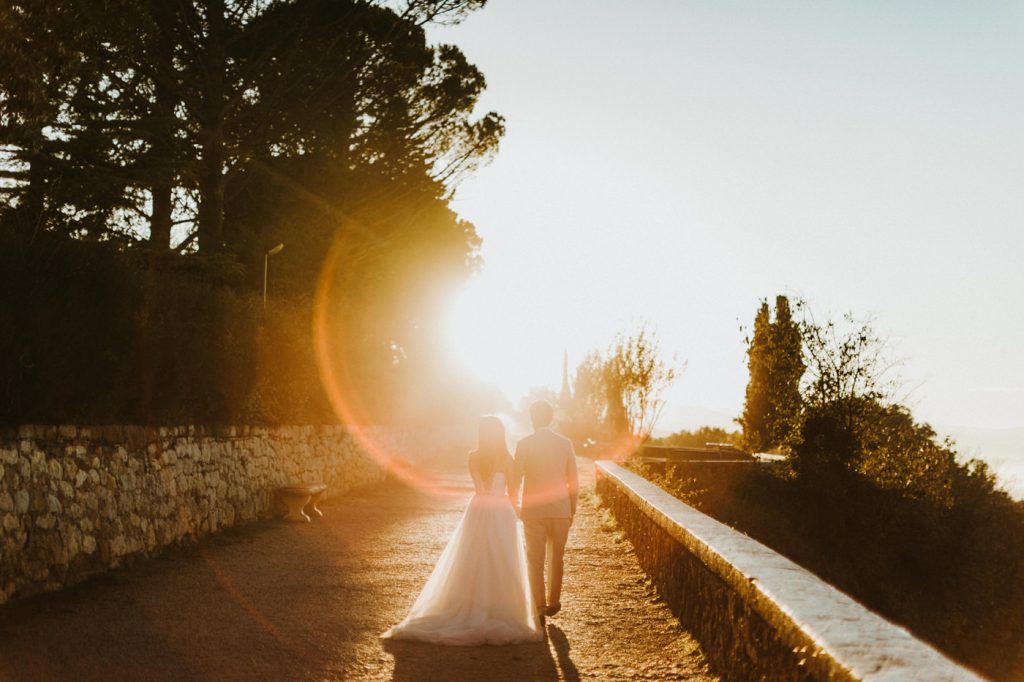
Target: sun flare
{"points": [[479, 337]]}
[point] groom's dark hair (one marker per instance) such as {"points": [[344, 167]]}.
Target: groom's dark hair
{"points": [[541, 414]]}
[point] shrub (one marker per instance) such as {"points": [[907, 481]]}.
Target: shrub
{"points": [[93, 334]]}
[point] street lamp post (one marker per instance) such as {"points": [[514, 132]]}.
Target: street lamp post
{"points": [[272, 251]]}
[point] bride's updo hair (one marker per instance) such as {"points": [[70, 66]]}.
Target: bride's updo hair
{"points": [[492, 449]]}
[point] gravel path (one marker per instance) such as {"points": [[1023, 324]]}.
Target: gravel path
{"points": [[278, 601]]}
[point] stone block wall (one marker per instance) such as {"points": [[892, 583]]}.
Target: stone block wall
{"points": [[758, 615], [76, 501]]}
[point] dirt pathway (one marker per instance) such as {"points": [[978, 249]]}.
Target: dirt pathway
{"points": [[277, 601]]}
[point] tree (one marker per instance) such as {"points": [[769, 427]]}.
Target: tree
{"points": [[113, 117], [848, 365], [771, 410], [53, 173], [620, 395], [756, 405], [700, 437], [587, 407], [331, 125], [363, 172], [636, 379], [848, 386], [785, 372]]}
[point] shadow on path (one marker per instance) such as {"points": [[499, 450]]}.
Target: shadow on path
{"points": [[264, 601], [549, 660], [278, 601], [415, 662], [560, 644]]}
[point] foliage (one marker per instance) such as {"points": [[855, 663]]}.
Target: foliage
{"points": [[771, 410], [636, 379], [150, 104], [700, 437], [755, 406], [586, 410], [99, 336], [221, 128], [874, 502], [688, 488], [785, 373], [848, 393], [942, 555], [620, 394], [845, 361]]}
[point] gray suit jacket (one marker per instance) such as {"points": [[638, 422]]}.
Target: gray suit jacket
{"points": [[546, 464]]}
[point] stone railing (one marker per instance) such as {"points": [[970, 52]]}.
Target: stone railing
{"points": [[757, 614], [78, 501]]}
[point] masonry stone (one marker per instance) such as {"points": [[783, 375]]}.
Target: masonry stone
{"points": [[75, 501]]}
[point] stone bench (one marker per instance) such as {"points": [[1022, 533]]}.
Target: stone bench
{"points": [[301, 499]]}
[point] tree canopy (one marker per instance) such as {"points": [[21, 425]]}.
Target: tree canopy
{"points": [[210, 130], [618, 395], [771, 409]]}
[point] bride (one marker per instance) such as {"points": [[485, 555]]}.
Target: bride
{"points": [[478, 592]]}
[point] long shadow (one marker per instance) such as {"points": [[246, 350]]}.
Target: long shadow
{"points": [[417, 662], [264, 601], [561, 645]]}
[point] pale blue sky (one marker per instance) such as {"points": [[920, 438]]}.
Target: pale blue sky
{"points": [[675, 162]]}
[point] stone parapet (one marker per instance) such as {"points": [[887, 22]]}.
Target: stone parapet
{"points": [[75, 501], [757, 614]]}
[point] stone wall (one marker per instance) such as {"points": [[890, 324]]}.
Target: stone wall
{"points": [[758, 615], [77, 501]]}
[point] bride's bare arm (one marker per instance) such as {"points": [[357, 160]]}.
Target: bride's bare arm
{"points": [[513, 477]]}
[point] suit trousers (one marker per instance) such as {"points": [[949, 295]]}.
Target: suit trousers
{"points": [[545, 539]]}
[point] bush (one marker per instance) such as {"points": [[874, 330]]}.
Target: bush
{"points": [[94, 334], [947, 562]]}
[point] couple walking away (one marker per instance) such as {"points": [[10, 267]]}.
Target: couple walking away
{"points": [[488, 585]]}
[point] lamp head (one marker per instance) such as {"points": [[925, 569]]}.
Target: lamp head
{"points": [[274, 250]]}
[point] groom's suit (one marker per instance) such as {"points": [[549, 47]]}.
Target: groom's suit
{"points": [[546, 464]]}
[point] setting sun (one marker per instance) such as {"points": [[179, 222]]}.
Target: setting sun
{"points": [[512, 340], [488, 335]]}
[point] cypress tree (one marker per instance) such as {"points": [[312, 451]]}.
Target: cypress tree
{"points": [[785, 369], [771, 411], [756, 405]]}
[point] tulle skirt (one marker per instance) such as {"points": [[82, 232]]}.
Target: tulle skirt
{"points": [[479, 592]]}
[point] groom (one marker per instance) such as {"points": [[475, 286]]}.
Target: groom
{"points": [[546, 464]]}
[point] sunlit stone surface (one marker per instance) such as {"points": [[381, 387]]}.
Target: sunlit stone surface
{"points": [[77, 501], [754, 611]]}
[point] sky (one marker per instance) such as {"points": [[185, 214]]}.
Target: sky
{"points": [[673, 163]]}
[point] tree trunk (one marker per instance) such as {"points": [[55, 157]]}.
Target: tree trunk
{"points": [[211, 192], [162, 186], [29, 215], [211, 170], [160, 223], [162, 142]]}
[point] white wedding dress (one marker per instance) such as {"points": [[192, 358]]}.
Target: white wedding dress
{"points": [[479, 591]]}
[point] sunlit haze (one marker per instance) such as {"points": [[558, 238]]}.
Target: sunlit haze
{"points": [[676, 162]]}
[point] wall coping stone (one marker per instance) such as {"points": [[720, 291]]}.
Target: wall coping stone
{"points": [[803, 608]]}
